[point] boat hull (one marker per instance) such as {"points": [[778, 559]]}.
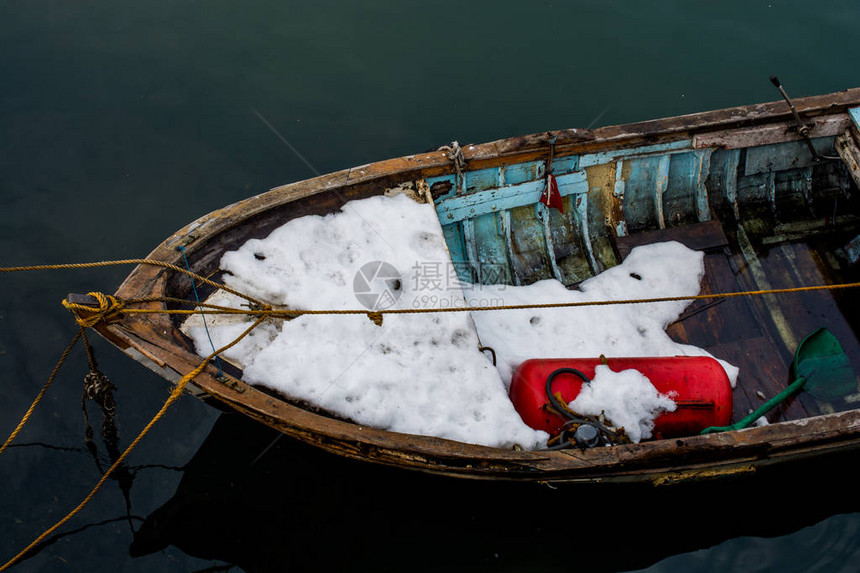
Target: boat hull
{"points": [[621, 186]]}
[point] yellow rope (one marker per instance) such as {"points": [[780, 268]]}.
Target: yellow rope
{"points": [[174, 395], [292, 313], [152, 262], [41, 393], [110, 307]]}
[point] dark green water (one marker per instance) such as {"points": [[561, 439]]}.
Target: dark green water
{"points": [[120, 122]]}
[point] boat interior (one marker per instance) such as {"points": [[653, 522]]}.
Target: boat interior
{"points": [[770, 216], [769, 209]]}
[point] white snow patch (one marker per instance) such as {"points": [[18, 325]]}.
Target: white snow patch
{"points": [[627, 330], [417, 373], [423, 373], [627, 398]]}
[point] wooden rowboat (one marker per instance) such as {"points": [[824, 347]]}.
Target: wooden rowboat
{"points": [[772, 203]]}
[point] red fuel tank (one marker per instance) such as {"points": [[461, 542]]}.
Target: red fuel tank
{"points": [[697, 384]]}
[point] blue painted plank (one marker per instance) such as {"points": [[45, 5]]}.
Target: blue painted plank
{"points": [[730, 186], [562, 165], [447, 179], [642, 151], [854, 112], [470, 242], [454, 240], [529, 252], [787, 155], [503, 219], [482, 179], [533, 170], [490, 252], [441, 179], [661, 182], [685, 199], [522, 172], [544, 215], [768, 158], [700, 175], [457, 208], [579, 217], [640, 189]]}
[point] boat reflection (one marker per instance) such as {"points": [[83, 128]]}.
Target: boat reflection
{"points": [[269, 503]]}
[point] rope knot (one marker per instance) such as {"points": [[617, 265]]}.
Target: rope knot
{"points": [[455, 154], [103, 308]]}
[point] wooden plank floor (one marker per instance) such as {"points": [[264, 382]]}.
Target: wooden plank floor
{"points": [[790, 265], [757, 334]]}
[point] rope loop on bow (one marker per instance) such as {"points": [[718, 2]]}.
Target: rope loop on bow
{"points": [[109, 309]]}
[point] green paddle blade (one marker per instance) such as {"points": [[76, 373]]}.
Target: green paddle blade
{"points": [[822, 362], [820, 366]]}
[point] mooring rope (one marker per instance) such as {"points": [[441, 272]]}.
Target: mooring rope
{"points": [[111, 308], [41, 393], [152, 262], [174, 395]]}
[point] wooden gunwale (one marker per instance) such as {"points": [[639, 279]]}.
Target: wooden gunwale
{"points": [[154, 338]]}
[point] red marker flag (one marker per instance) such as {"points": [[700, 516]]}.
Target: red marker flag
{"points": [[551, 196]]}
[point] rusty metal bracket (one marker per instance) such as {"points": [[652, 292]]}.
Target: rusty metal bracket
{"points": [[802, 128], [231, 383]]}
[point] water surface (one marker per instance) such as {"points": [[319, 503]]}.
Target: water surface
{"points": [[122, 121]]}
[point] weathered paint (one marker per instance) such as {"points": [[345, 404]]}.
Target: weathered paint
{"points": [[852, 250], [470, 242], [501, 224], [567, 242], [491, 250], [602, 210], [454, 239], [225, 229], [854, 114], [631, 152], [641, 175], [561, 165], [457, 208], [660, 183], [581, 210], [849, 151], [618, 194], [522, 172], [504, 221], [731, 181], [703, 168], [782, 156], [481, 180], [770, 189], [775, 133], [544, 215], [529, 245], [806, 188]]}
